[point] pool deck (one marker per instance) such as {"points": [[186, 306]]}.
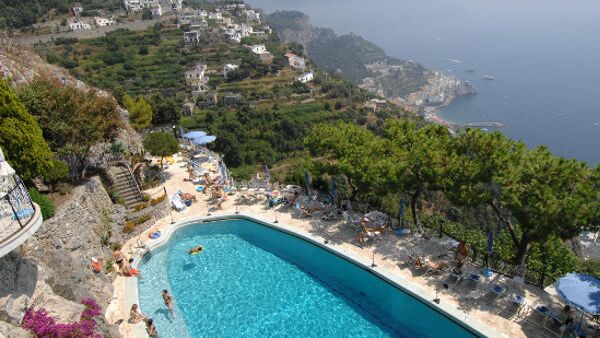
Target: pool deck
{"points": [[389, 252]]}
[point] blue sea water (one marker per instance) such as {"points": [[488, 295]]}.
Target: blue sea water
{"points": [[543, 53], [253, 281]]}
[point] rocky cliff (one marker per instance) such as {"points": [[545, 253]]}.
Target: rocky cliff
{"points": [[52, 268]]}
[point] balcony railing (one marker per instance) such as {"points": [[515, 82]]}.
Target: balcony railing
{"points": [[19, 216]]}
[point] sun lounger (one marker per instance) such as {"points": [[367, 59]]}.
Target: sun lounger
{"points": [[178, 203], [514, 307], [494, 293], [472, 282], [537, 316]]}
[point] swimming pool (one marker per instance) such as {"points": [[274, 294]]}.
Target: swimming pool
{"points": [[255, 281]]}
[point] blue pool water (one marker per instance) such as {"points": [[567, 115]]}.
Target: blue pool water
{"points": [[254, 281]]}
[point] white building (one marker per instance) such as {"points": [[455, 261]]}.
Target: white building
{"points": [[228, 68], [77, 8], [75, 26], [215, 16], [295, 61], [149, 3], [252, 15], [101, 22], [258, 49], [306, 77], [176, 5], [132, 5], [156, 11], [196, 78], [191, 37]]}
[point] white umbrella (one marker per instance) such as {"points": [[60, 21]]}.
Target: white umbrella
{"points": [[5, 168]]}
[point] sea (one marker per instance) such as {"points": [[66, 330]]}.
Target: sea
{"points": [[544, 56]]}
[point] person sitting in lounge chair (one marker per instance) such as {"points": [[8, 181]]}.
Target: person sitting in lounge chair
{"points": [[368, 232], [126, 269], [208, 180]]}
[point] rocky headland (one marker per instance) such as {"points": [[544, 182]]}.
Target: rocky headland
{"points": [[405, 83]]}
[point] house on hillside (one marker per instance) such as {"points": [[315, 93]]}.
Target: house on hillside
{"points": [[149, 3], [102, 22], [232, 99], [258, 49], [252, 15], [306, 77], [295, 61], [191, 37], [228, 68], [132, 5], [79, 25], [215, 16], [77, 8], [196, 78], [177, 5], [156, 11]]}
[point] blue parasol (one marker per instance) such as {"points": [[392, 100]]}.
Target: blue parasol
{"points": [[490, 242], [203, 139], [307, 179], [194, 134], [581, 291]]}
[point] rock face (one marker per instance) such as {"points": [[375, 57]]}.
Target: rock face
{"points": [[52, 269]]}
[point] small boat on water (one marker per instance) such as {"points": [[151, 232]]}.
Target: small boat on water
{"points": [[488, 77], [470, 70]]}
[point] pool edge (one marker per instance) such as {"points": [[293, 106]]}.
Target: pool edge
{"points": [[470, 324]]}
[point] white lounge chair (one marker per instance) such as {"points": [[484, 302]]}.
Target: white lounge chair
{"points": [[178, 204]]}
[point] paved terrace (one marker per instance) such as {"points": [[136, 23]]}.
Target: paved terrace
{"points": [[390, 253]]}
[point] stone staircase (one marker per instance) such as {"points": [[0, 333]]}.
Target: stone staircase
{"points": [[127, 187]]}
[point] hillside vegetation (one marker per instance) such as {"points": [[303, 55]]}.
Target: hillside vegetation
{"points": [[268, 125], [349, 54]]}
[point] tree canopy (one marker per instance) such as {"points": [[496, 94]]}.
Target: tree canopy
{"points": [[72, 120], [21, 138], [536, 195], [140, 112], [161, 144]]}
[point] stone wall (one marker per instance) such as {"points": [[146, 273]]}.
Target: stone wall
{"points": [[52, 269]]}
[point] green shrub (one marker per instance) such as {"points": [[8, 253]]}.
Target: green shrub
{"points": [[43, 202], [57, 172]]}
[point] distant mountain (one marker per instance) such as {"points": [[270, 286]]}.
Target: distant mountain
{"points": [[350, 55]]}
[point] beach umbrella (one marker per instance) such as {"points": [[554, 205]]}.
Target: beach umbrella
{"points": [[581, 291], [307, 179], [334, 190], [202, 140], [490, 242], [267, 172], [194, 134], [223, 174]]}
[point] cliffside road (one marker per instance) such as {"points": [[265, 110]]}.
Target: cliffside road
{"points": [[29, 41]]}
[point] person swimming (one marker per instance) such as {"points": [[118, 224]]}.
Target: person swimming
{"points": [[168, 302], [195, 250]]}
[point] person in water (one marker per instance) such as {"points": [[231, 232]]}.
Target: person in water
{"points": [[151, 328], [168, 302], [195, 250]]}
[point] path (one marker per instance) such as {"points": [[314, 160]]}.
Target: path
{"points": [[29, 41]]}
